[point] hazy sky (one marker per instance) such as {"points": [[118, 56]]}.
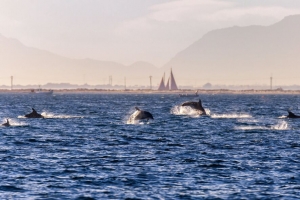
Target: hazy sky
{"points": [[130, 30]]}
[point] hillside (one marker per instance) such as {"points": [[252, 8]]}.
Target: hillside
{"points": [[34, 66], [243, 55]]}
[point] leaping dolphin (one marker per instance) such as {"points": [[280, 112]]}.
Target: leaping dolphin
{"points": [[34, 114], [140, 115], [195, 105], [292, 115], [6, 123]]}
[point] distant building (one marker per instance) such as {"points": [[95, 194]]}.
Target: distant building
{"points": [[207, 86], [171, 84]]}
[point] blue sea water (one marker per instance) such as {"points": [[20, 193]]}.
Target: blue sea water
{"points": [[85, 149]]}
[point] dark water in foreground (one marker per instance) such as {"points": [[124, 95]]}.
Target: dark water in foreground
{"points": [[84, 148]]}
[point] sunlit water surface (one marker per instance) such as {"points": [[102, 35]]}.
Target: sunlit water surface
{"points": [[84, 148]]}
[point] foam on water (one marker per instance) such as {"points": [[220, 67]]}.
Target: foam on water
{"points": [[13, 122], [247, 120], [280, 126], [50, 115], [251, 128], [58, 116], [231, 116], [136, 122]]}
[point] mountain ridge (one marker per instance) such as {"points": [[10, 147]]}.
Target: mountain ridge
{"points": [[33, 65], [234, 53]]}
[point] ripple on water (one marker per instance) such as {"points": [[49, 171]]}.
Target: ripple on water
{"points": [[84, 149]]}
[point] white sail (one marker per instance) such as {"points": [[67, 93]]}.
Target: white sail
{"points": [[162, 86], [173, 85]]}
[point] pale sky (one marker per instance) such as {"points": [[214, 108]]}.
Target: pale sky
{"points": [[127, 31]]}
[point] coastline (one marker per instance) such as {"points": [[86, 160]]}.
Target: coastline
{"points": [[103, 91]]}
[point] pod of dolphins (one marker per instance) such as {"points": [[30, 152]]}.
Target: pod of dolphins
{"points": [[145, 115], [197, 106]]}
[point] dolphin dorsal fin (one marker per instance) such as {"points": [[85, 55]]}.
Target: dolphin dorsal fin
{"points": [[137, 108]]}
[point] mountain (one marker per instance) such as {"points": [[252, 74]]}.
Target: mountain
{"points": [[235, 55], [242, 55], [34, 66]]}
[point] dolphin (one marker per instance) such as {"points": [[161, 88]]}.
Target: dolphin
{"points": [[292, 115], [34, 114], [195, 105], [6, 123], [140, 115]]}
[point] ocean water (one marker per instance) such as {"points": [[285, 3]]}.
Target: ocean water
{"points": [[85, 149]]}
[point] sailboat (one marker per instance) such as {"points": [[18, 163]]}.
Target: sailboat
{"points": [[171, 84], [162, 86]]}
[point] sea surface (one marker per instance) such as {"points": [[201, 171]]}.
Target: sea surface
{"points": [[85, 149]]}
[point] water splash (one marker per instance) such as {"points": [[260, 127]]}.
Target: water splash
{"points": [[283, 125], [186, 110], [21, 117], [282, 117], [135, 122]]}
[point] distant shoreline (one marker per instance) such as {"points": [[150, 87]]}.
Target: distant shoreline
{"points": [[102, 91]]}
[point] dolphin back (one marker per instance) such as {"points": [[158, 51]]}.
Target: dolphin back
{"points": [[147, 115], [34, 115], [6, 124], [195, 105], [191, 104], [140, 115], [292, 115]]}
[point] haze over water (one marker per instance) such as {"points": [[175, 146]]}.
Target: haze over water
{"points": [[84, 148]]}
